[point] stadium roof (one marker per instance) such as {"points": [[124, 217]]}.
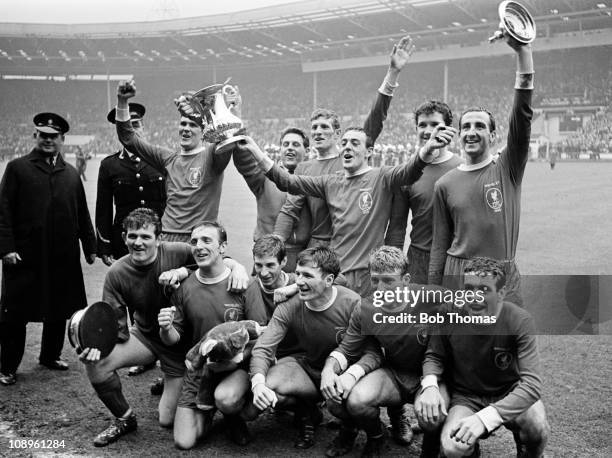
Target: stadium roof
{"points": [[280, 34]]}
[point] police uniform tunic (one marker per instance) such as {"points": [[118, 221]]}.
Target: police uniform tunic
{"points": [[130, 183]]}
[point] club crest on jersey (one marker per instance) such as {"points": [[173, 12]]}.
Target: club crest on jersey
{"points": [[365, 202], [195, 176], [233, 313], [503, 359], [494, 198]]}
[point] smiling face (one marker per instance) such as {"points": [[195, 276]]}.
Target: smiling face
{"points": [[354, 152], [312, 283], [190, 133], [475, 136], [322, 134], [426, 123], [269, 271], [292, 150], [142, 244], [50, 144], [486, 287], [206, 248]]}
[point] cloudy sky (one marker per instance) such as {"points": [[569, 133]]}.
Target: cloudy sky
{"points": [[95, 11]]}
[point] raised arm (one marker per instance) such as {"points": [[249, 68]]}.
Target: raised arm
{"points": [[399, 57], [157, 156], [519, 128], [295, 184]]}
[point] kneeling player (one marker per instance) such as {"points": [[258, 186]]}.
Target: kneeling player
{"points": [[317, 317], [132, 282], [492, 370], [202, 302], [359, 392]]}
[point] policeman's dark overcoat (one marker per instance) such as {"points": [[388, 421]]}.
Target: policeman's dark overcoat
{"points": [[43, 215], [130, 183]]}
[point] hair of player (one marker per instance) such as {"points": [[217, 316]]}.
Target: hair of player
{"points": [[269, 245], [369, 142], [297, 131], [220, 229], [140, 218], [482, 110], [322, 257], [487, 266], [387, 259], [326, 114], [434, 106]]}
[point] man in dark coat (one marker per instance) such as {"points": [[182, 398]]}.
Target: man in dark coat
{"points": [[131, 183], [43, 215]]}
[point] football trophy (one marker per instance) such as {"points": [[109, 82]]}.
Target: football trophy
{"points": [[515, 21], [209, 108]]}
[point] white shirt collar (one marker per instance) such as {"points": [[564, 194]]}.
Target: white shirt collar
{"points": [[325, 306], [356, 174], [472, 167], [213, 280], [193, 151]]}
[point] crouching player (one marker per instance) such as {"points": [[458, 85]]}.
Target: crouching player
{"points": [[357, 394], [132, 283], [137, 282], [317, 317], [202, 302], [492, 370]]}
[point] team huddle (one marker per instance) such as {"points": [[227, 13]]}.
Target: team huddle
{"points": [[303, 332]]}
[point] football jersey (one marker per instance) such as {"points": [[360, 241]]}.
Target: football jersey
{"points": [[477, 208], [503, 361], [318, 332], [193, 181], [202, 306], [137, 288], [359, 206]]}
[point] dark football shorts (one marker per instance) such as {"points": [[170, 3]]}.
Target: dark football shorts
{"points": [[313, 373], [476, 403], [172, 362], [408, 384]]}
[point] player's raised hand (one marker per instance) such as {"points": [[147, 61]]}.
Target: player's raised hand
{"points": [[468, 430], [439, 138], [165, 318], [402, 50], [183, 103], [264, 397], [430, 407], [126, 89]]}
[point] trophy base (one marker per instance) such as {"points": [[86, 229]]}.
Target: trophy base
{"points": [[221, 145]]}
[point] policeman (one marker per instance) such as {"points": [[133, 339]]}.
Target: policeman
{"points": [[131, 183]]}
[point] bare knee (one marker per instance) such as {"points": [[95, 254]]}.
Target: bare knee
{"points": [[184, 441], [359, 402], [166, 419], [228, 399]]}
